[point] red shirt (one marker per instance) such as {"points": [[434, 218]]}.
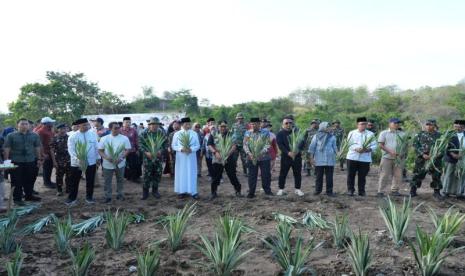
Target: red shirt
{"points": [[131, 133], [46, 136]]}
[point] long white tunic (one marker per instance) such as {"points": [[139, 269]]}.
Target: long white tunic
{"points": [[185, 178]]}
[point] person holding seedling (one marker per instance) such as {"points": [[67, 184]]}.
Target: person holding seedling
{"points": [[223, 146], [185, 144], [428, 160], [291, 144], [362, 143], [113, 149], [256, 144], [454, 163], [153, 144], [82, 148]]}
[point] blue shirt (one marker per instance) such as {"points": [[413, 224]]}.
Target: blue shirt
{"points": [[326, 157]]}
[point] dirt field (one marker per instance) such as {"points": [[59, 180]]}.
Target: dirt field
{"points": [[42, 258]]}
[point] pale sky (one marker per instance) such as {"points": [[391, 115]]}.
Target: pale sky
{"points": [[232, 51]]}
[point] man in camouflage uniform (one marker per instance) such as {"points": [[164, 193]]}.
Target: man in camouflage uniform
{"points": [[422, 144], [238, 130], [153, 165], [314, 125], [60, 158], [338, 132]]}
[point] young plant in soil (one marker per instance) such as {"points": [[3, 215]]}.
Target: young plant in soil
{"points": [[13, 268], [431, 251], [148, 262], [397, 219], [449, 224], [63, 234], [8, 234], [224, 253], [340, 230], [176, 224], [117, 225], [81, 260], [359, 253], [292, 259]]}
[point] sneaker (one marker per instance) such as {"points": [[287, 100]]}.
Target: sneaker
{"points": [[196, 197], [315, 193], [120, 197], [156, 194], [269, 193], [437, 195], [350, 193], [331, 194], [395, 193], [280, 192], [250, 196], [32, 198], [90, 201], [380, 195], [238, 194], [362, 194], [107, 200], [70, 202], [299, 192], [59, 193]]}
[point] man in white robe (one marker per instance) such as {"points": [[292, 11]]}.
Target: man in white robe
{"points": [[185, 178]]}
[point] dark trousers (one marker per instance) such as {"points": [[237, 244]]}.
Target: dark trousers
{"points": [[209, 162], [286, 164], [133, 167], [22, 178], [354, 168], [327, 171], [240, 153], [230, 169], [265, 170], [75, 178], [47, 171]]}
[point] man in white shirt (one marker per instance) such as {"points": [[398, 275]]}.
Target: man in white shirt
{"points": [[82, 135], [117, 145], [363, 143]]}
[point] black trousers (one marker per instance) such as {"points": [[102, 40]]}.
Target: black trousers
{"points": [[354, 168], [133, 169], [47, 171], [265, 170], [328, 172], [230, 169], [22, 178], [286, 164], [209, 162], [75, 178]]}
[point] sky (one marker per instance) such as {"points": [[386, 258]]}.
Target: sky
{"points": [[232, 51]]}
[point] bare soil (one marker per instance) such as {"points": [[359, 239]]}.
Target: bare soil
{"points": [[43, 259]]}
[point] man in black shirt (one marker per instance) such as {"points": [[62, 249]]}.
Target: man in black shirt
{"points": [[289, 159], [217, 165]]}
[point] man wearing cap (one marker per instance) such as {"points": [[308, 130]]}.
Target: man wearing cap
{"points": [[289, 159], [87, 137], [153, 165], [422, 143], [239, 128], [45, 132], [114, 164], [314, 125], [23, 147], [185, 178], [338, 132], [263, 161], [218, 166], [133, 166], [451, 180], [372, 127], [359, 157], [392, 162], [60, 158]]}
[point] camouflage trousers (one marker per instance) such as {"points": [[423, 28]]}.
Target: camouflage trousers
{"points": [[152, 174], [63, 171], [420, 172]]}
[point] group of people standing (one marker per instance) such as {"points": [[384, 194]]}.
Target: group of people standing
{"points": [[29, 148]]}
